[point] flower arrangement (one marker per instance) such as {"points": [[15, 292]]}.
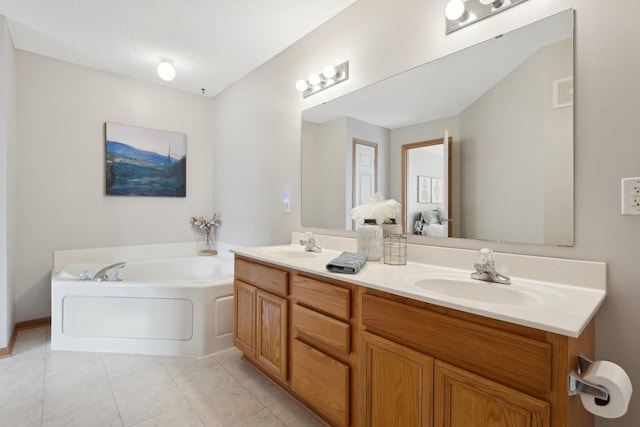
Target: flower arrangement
{"points": [[377, 208], [210, 228]]}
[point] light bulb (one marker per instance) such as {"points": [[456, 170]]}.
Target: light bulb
{"points": [[454, 10], [329, 71], [301, 85], [495, 3], [314, 79], [166, 71]]}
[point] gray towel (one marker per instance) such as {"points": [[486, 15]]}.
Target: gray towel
{"points": [[347, 262]]}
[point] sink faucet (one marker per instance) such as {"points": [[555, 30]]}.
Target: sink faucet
{"points": [[109, 273], [309, 243], [486, 269]]}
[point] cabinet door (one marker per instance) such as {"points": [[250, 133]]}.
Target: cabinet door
{"points": [[271, 337], [244, 324], [321, 381], [398, 384], [463, 399]]}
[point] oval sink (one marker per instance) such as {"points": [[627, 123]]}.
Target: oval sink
{"points": [[286, 252], [475, 290]]}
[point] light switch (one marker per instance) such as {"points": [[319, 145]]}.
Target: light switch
{"points": [[286, 203], [631, 196]]}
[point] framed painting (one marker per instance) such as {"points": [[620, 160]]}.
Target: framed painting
{"points": [[424, 189], [436, 190], [145, 162]]}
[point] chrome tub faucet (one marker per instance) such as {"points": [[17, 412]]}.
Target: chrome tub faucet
{"points": [[108, 274], [486, 269]]}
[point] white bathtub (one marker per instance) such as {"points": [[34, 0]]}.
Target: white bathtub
{"points": [[171, 306]]}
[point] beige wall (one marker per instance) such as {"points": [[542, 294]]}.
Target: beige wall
{"points": [[530, 142], [382, 38], [61, 111], [7, 182]]}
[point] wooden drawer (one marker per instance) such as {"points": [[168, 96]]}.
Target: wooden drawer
{"points": [[324, 332], [267, 278], [514, 360], [330, 299], [321, 381]]}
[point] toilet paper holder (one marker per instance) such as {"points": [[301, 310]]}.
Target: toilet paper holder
{"points": [[579, 385]]}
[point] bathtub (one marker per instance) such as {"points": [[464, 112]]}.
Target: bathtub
{"points": [[170, 306]]}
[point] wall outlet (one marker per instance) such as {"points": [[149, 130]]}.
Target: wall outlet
{"points": [[631, 196]]}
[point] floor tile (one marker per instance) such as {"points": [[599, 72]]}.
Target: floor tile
{"points": [[138, 380], [241, 369], [199, 382], [293, 415], [147, 403], [57, 359], [76, 397], [181, 365], [101, 415], [117, 363], [263, 418], [264, 390], [177, 417], [61, 379], [20, 389], [26, 413], [229, 404]]}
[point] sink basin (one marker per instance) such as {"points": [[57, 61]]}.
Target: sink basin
{"points": [[459, 286], [286, 252]]}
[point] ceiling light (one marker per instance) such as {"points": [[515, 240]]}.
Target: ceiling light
{"points": [[330, 76], [166, 71]]}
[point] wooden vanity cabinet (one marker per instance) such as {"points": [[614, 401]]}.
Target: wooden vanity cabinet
{"points": [[362, 357], [484, 371], [261, 316], [297, 329]]}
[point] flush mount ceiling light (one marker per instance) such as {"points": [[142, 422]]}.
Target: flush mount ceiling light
{"points": [[166, 70], [317, 82], [460, 13]]}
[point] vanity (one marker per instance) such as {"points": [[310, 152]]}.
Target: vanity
{"points": [[391, 346]]}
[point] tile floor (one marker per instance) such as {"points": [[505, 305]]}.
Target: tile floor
{"points": [[42, 387]]}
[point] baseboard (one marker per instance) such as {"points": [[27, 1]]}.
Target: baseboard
{"points": [[27, 324]]}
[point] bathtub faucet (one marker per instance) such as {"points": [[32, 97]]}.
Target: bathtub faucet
{"points": [[109, 273]]}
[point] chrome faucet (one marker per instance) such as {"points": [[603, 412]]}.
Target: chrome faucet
{"points": [[109, 273], [309, 243], [486, 269]]}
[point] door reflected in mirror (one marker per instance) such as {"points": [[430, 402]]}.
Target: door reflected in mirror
{"points": [[505, 104]]}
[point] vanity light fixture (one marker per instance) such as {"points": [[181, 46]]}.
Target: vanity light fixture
{"points": [[460, 13], [166, 70], [317, 82]]}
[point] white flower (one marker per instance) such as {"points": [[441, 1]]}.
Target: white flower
{"points": [[377, 208]]}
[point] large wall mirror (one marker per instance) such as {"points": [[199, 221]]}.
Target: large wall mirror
{"points": [[475, 145]]}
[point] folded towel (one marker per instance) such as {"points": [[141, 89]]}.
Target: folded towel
{"points": [[347, 262]]}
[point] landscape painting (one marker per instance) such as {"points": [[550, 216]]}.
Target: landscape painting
{"points": [[145, 162]]}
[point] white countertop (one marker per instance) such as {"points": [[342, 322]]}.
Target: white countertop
{"points": [[560, 308]]}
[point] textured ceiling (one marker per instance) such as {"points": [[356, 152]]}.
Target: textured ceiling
{"points": [[213, 42]]}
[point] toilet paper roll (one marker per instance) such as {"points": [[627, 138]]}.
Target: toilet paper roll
{"points": [[616, 380]]}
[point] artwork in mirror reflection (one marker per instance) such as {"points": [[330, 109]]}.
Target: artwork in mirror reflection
{"points": [[506, 105]]}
